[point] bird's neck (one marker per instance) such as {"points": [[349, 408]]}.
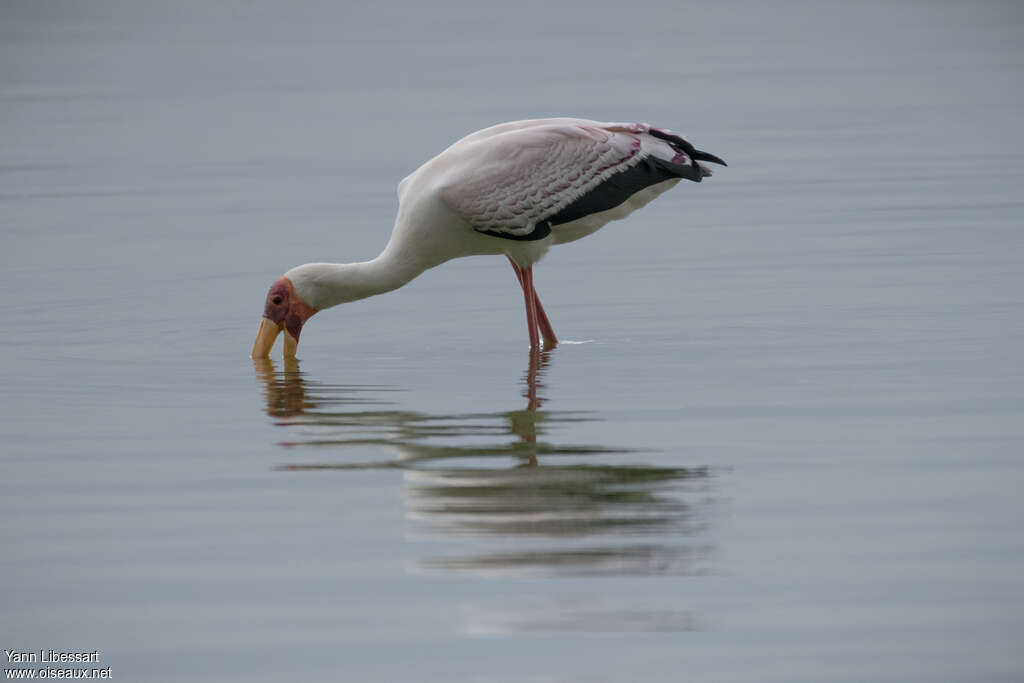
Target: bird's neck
{"points": [[323, 285]]}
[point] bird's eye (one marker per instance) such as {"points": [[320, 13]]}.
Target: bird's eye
{"points": [[277, 300]]}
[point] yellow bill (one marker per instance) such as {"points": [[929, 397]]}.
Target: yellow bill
{"points": [[265, 337], [290, 345]]}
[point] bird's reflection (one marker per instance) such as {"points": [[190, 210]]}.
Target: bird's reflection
{"points": [[501, 479]]}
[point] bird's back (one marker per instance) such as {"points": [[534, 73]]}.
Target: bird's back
{"points": [[552, 180]]}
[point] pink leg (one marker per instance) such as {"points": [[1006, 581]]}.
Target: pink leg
{"points": [[540, 318], [531, 307], [519, 271], [550, 340]]}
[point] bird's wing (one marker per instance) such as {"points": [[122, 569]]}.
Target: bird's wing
{"points": [[521, 178]]}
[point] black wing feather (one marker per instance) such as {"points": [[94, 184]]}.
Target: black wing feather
{"points": [[684, 146], [621, 186]]}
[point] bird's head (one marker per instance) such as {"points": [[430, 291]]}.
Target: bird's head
{"points": [[285, 310]]}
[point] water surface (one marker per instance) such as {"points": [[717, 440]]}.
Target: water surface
{"points": [[788, 450]]}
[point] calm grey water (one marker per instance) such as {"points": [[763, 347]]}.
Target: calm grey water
{"points": [[789, 447]]}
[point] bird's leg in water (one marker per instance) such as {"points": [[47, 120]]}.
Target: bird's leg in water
{"points": [[541, 319], [550, 340], [531, 307]]}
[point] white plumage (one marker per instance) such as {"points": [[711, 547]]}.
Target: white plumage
{"points": [[508, 182], [515, 189]]}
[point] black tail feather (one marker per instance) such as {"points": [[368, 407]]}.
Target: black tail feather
{"points": [[685, 146], [705, 156]]}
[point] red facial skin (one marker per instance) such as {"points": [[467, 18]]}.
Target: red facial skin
{"points": [[285, 308]]}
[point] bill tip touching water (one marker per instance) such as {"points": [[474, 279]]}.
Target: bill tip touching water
{"points": [[284, 311], [514, 189]]}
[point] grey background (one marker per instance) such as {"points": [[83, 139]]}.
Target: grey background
{"points": [[788, 450]]}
